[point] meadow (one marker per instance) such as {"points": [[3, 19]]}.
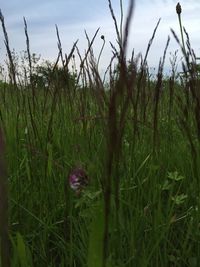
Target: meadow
{"points": [[100, 171]]}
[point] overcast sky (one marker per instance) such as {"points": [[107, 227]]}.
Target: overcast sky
{"points": [[75, 16]]}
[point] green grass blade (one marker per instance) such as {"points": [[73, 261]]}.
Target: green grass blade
{"points": [[95, 252]]}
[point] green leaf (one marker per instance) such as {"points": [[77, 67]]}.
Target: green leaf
{"points": [[175, 176], [167, 185], [50, 159], [21, 249], [95, 251], [179, 199]]}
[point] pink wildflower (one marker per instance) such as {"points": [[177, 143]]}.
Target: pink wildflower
{"points": [[78, 179]]}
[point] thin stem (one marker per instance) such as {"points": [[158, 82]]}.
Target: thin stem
{"points": [[182, 38], [121, 19], [101, 50]]}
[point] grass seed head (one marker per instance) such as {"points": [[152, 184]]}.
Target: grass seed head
{"points": [[178, 9]]}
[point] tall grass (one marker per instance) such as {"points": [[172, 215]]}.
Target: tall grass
{"points": [[137, 140]]}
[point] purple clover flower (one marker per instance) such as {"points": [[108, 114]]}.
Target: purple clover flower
{"points": [[78, 179]]}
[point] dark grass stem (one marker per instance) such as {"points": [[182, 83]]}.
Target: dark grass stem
{"points": [[4, 222], [29, 62], [60, 46], [141, 77], [121, 18], [158, 89], [178, 11], [116, 125], [12, 65], [115, 23], [101, 51], [90, 43]]}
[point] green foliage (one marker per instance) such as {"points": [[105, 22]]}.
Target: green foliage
{"points": [[21, 254], [158, 195], [96, 233]]}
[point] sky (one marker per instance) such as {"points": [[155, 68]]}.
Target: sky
{"points": [[73, 17]]}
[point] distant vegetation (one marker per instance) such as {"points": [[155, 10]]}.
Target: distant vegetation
{"points": [[100, 171]]}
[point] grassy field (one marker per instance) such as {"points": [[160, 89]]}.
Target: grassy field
{"points": [[134, 142]]}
